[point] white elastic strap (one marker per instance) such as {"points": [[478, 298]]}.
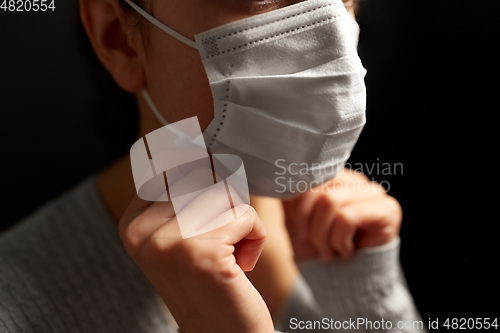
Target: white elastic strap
{"points": [[181, 136], [161, 25], [152, 106]]}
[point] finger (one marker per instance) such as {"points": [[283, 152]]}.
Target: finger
{"points": [[135, 207], [352, 185], [247, 233], [189, 186], [236, 199], [298, 212], [378, 220], [205, 211], [319, 227], [342, 236], [226, 217], [141, 219], [208, 210]]}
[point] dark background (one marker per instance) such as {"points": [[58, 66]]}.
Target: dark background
{"points": [[432, 86]]}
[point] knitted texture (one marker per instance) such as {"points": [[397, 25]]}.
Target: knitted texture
{"points": [[63, 269]]}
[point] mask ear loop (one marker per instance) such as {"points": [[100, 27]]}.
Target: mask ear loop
{"points": [[180, 134], [161, 25], [153, 108]]}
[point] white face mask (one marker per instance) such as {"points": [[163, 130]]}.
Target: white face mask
{"points": [[289, 93]]}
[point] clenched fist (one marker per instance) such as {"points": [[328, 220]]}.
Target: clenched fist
{"points": [[348, 213], [201, 279]]}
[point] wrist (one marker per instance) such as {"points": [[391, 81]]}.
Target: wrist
{"points": [[373, 268]]}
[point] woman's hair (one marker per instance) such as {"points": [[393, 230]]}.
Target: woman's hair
{"points": [[135, 20]]}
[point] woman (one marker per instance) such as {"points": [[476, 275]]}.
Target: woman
{"points": [[65, 269]]}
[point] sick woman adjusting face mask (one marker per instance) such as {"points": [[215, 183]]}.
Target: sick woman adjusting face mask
{"points": [[278, 83]]}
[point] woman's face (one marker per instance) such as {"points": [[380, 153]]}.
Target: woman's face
{"points": [[142, 56], [174, 73]]}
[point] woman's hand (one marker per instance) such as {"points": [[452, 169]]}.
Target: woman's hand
{"points": [[348, 213], [201, 278]]}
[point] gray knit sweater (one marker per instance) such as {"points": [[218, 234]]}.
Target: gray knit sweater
{"points": [[63, 269]]}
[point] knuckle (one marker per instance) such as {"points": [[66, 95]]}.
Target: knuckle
{"points": [[395, 207], [327, 202], [200, 259], [186, 252], [387, 234], [131, 236], [204, 262], [156, 244], [154, 249], [363, 177], [355, 175], [378, 188], [250, 211], [157, 250], [342, 217]]}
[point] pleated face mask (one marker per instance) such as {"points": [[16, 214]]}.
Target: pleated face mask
{"points": [[289, 93]]}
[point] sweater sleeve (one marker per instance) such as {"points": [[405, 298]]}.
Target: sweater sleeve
{"points": [[366, 293]]}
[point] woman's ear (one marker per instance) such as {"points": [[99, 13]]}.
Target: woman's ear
{"points": [[113, 42]]}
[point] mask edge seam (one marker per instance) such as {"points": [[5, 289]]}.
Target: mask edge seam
{"points": [[288, 32]]}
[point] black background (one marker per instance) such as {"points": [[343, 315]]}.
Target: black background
{"points": [[432, 91]]}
